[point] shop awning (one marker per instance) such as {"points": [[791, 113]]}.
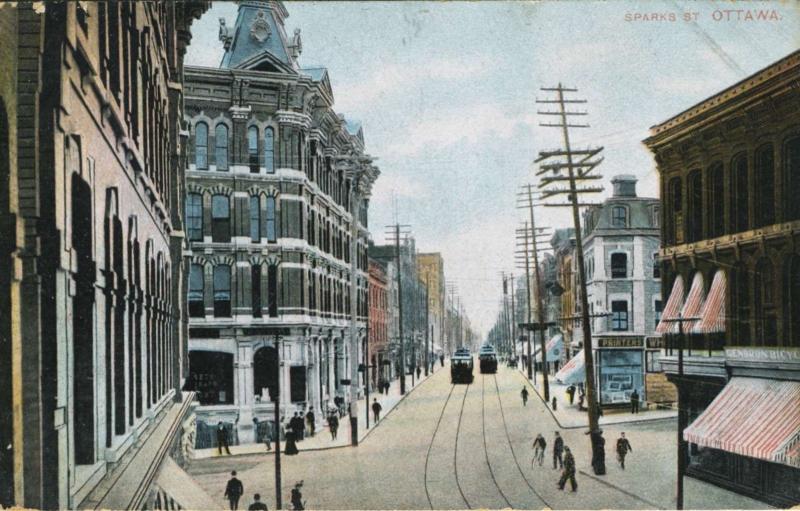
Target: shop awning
{"points": [[573, 371], [694, 302], [752, 417], [671, 309], [555, 347], [713, 312]]}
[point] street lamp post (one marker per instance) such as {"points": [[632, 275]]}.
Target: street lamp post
{"points": [[277, 417]]}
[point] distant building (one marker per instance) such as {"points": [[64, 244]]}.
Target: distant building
{"points": [[276, 206], [92, 332], [378, 323], [730, 175], [430, 267]]}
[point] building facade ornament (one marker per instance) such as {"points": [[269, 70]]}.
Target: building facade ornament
{"points": [[259, 29]]}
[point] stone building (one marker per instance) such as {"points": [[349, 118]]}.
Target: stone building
{"points": [[276, 208], [91, 310], [623, 281], [379, 319], [729, 173], [430, 267]]}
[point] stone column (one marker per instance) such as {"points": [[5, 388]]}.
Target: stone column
{"points": [[244, 395]]}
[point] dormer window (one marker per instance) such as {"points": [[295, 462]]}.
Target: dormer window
{"points": [[619, 216]]}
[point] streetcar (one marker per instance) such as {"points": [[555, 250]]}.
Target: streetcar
{"points": [[461, 365], [488, 359]]}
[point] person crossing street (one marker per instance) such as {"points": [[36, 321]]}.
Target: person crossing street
{"points": [[233, 491], [524, 395], [568, 473], [558, 449], [376, 410], [623, 447]]}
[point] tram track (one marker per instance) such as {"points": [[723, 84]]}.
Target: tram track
{"points": [[430, 446], [511, 446], [485, 448], [455, 450]]}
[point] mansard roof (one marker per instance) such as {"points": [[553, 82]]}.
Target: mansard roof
{"points": [[258, 39], [319, 74]]}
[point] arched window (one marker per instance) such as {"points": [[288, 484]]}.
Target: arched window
{"points": [[765, 185], [674, 227], [716, 201], [201, 145], [619, 216], [194, 217], [255, 290], [255, 219], [221, 147], [791, 179], [252, 148], [222, 291], [270, 219], [220, 219], [766, 319], [269, 150], [196, 290], [619, 265], [791, 301], [272, 290], [739, 204], [695, 206]]}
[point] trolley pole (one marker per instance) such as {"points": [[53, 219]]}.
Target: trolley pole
{"points": [[427, 327]]}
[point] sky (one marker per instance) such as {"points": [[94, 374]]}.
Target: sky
{"points": [[446, 93]]}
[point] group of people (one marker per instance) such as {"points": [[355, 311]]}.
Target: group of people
{"points": [[235, 489], [565, 461]]}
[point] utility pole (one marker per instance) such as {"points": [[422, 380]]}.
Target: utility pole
{"points": [[513, 319], [395, 234], [577, 173], [277, 419], [527, 265], [427, 319]]}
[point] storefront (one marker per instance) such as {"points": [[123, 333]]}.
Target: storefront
{"points": [[620, 369]]}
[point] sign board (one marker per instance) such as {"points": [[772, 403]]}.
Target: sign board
{"points": [[655, 343], [620, 342], [763, 354]]}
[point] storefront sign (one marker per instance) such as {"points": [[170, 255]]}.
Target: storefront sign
{"points": [[620, 342], [763, 354], [655, 343]]}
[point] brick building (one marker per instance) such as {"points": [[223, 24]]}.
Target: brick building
{"points": [[277, 189], [730, 172], [379, 319], [91, 336]]}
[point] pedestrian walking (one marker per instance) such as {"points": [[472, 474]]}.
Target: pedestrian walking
{"points": [[311, 420], [558, 450], [554, 403], [333, 425], [233, 491], [419, 371], [441, 360], [222, 438], [634, 401], [581, 398], [571, 393], [257, 505], [300, 429], [568, 473], [376, 409], [524, 394], [268, 437], [623, 447], [290, 446], [598, 451], [539, 446]]}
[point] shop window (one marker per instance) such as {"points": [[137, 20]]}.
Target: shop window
{"points": [[194, 217], [653, 362], [252, 149], [196, 291], [716, 201], [270, 220], [201, 146], [619, 266], [619, 315], [220, 219], [791, 179], [222, 291], [739, 202], [695, 206], [255, 219], [221, 147], [620, 373], [269, 150], [297, 384], [211, 377], [619, 216], [765, 185]]}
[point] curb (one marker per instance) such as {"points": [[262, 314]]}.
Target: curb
{"points": [[547, 406], [328, 448], [621, 490]]}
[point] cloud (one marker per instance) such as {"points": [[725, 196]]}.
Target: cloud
{"points": [[393, 184]]}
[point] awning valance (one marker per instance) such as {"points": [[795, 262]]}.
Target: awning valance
{"points": [[573, 371], [752, 417], [713, 312], [671, 309]]}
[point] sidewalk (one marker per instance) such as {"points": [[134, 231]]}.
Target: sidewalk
{"points": [[569, 417], [322, 437]]}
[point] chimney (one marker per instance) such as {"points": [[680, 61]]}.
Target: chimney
{"points": [[624, 185]]}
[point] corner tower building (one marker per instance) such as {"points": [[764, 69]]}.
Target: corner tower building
{"points": [[276, 208]]}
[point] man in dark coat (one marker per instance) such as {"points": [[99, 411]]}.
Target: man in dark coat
{"points": [[312, 422], [524, 394], [571, 393], [569, 471], [376, 409], [623, 447], [441, 360], [222, 438], [598, 451], [233, 491], [257, 505], [558, 449], [539, 446], [333, 425], [634, 401]]}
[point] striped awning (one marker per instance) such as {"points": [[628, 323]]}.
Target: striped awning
{"points": [[713, 312], [572, 372], [555, 347], [671, 309], [752, 417], [694, 302]]}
